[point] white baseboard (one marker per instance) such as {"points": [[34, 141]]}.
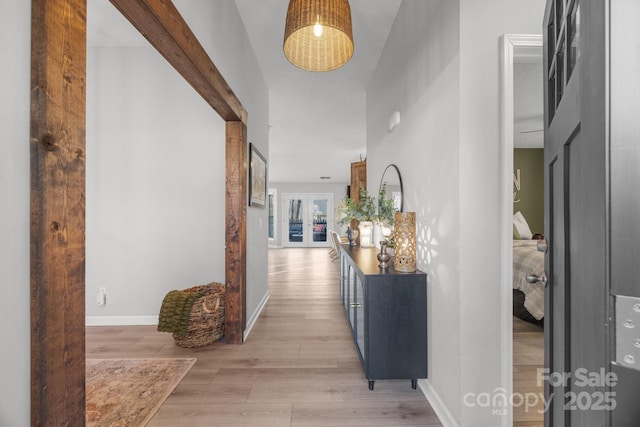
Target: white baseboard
{"points": [[437, 404], [153, 320], [256, 314], [120, 320]]}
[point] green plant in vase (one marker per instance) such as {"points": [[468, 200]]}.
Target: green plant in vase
{"points": [[367, 207], [386, 207], [364, 212], [386, 215], [349, 210], [345, 212]]}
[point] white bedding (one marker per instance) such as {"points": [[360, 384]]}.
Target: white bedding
{"points": [[527, 260]]}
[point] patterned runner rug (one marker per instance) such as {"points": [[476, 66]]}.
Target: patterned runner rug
{"points": [[127, 392]]}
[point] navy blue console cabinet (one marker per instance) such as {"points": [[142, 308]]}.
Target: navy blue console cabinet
{"points": [[387, 312]]}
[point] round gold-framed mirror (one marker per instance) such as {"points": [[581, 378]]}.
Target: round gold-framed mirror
{"points": [[391, 187]]}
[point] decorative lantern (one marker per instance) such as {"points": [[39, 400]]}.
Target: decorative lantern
{"points": [[405, 242]]}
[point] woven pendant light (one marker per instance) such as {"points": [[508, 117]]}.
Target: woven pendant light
{"points": [[317, 36]]}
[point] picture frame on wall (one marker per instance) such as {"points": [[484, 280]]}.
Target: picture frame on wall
{"points": [[257, 177]]}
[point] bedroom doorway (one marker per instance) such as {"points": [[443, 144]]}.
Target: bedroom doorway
{"points": [[522, 130]]}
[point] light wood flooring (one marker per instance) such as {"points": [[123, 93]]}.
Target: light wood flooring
{"points": [[298, 367], [528, 358]]}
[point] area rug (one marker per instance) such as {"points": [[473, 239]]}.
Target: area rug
{"points": [[127, 392]]}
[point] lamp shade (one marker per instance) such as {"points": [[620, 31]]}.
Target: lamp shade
{"points": [[317, 35], [405, 242]]}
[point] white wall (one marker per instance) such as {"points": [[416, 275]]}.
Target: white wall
{"points": [[155, 183], [156, 171], [221, 32], [481, 25], [418, 76], [440, 70], [15, 390]]}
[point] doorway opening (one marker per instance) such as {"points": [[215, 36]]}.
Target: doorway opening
{"points": [[515, 48], [306, 217], [272, 206]]}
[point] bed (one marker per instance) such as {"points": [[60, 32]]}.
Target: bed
{"points": [[528, 298]]}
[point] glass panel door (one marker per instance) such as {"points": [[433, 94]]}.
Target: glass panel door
{"points": [[272, 215], [319, 211], [308, 219], [360, 326], [563, 49], [296, 217]]}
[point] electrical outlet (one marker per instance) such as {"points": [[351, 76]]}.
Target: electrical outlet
{"points": [[101, 298]]}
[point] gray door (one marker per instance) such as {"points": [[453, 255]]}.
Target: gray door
{"points": [[592, 212]]}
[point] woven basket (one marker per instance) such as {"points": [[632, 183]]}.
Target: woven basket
{"points": [[206, 321]]}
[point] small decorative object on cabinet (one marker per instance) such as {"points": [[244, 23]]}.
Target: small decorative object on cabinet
{"points": [[383, 256], [350, 212], [405, 242], [352, 235], [366, 233], [387, 312]]}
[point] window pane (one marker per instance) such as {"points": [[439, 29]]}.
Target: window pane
{"points": [[559, 15], [296, 228], [551, 43], [319, 220], [271, 213], [552, 96], [573, 33], [560, 73]]}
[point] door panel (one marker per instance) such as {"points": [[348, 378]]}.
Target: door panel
{"points": [[359, 318], [320, 208], [625, 187], [295, 230], [555, 303], [625, 148], [586, 266], [592, 189]]}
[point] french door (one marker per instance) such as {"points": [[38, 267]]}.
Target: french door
{"points": [[307, 219]]}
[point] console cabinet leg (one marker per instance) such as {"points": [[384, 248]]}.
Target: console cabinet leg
{"points": [[371, 382], [414, 384]]}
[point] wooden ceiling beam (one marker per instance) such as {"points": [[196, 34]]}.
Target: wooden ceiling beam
{"points": [[163, 26]]}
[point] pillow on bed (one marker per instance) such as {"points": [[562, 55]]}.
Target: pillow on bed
{"points": [[520, 224], [516, 233]]}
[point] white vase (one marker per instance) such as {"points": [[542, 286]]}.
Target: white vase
{"points": [[366, 234], [377, 234]]}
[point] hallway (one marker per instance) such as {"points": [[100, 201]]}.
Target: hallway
{"points": [[298, 367]]}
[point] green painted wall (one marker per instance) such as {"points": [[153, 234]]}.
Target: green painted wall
{"points": [[528, 186]]}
